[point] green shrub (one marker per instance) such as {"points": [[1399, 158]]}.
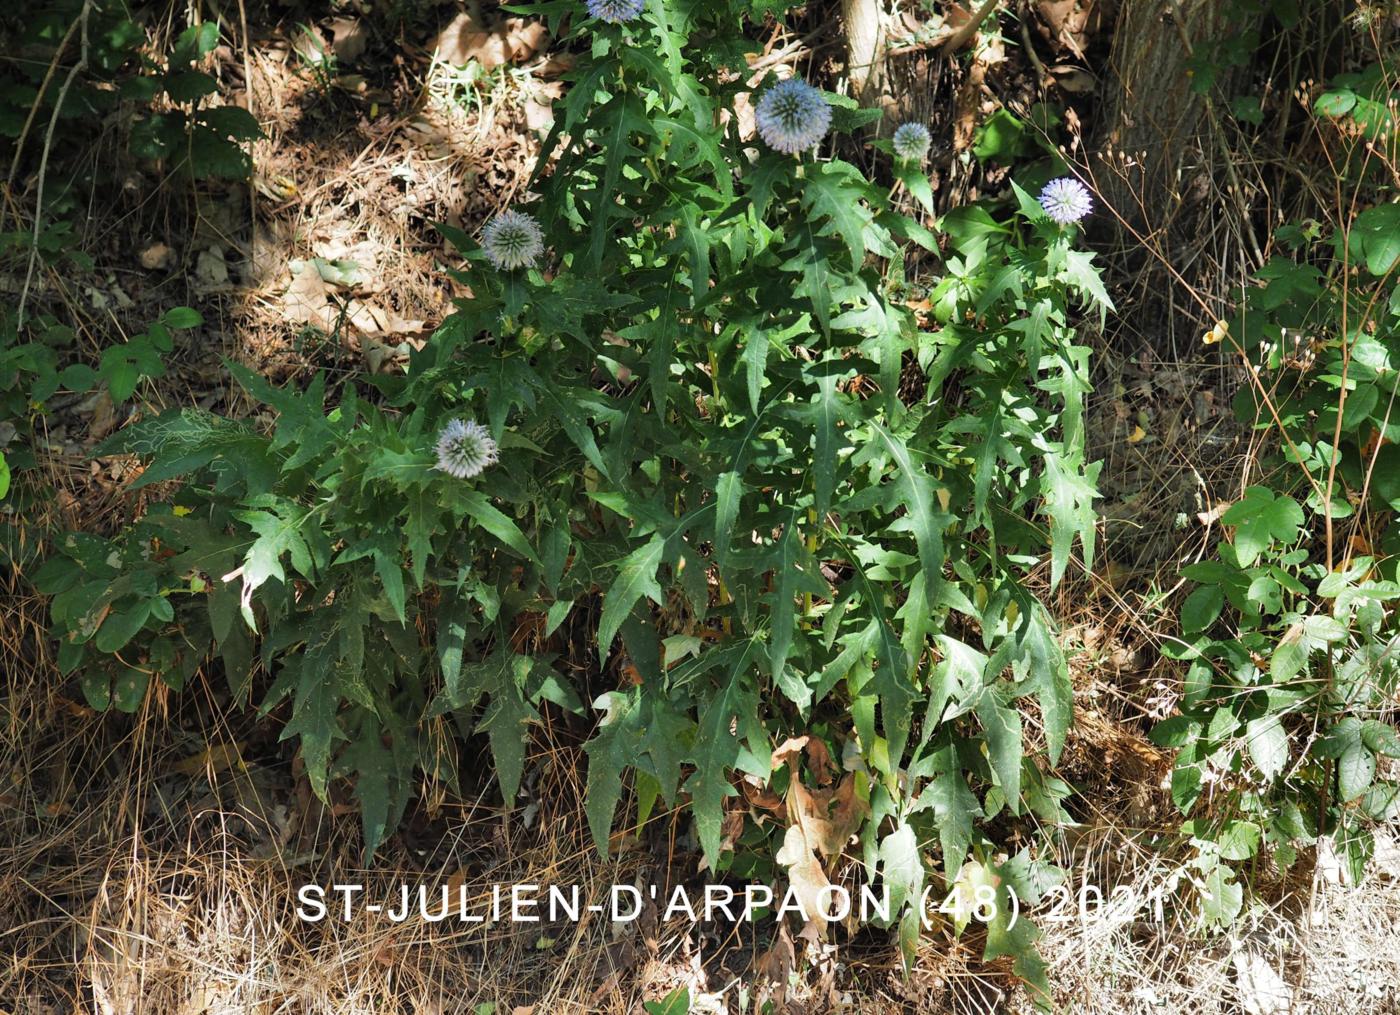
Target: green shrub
{"points": [[798, 512], [1287, 719]]}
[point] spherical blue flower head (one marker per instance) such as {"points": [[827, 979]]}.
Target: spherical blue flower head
{"points": [[792, 116], [512, 240], [912, 142], [1066, 200], [465, 449], [615, 11]]}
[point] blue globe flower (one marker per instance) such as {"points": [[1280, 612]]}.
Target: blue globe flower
{"points": [[912, 142], [792, 116], [1066, 200], [512, 240], [615, 11], [465, 449]]}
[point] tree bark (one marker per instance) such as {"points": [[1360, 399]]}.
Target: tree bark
{"points": [[1155, 125], [865, 48]]}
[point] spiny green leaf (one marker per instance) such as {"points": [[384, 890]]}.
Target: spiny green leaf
{"points": [[729, 488], [1002, 727], [717, 751], [954, 808], [1009, 933], [918, 497], [901, 867], [485, 514], [955, 683], [636, 577], [829, 441], [504, 721], [1069, 501], [834, 193], [315, 719], [611, 749], [790, 576]]}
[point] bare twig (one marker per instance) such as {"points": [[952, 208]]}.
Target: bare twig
{"points": [[73, 72], [34, 109], [959, 38], [1023, 18]]}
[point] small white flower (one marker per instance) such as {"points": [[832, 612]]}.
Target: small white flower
{"points": [[465, 449], [512, 240], [912, 142], [792, 116], [1066, 200], [615, 11]]}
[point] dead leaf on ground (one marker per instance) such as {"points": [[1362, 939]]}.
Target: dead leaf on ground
{"points": [[375, 320], [1262, 990], [539, 105], [1075, 80], [211, 269], [956, 16], [1213, 515], [465, 40], [306, 300], [967, 103], [775, 966], [349, 37], [104, 415], [155, 257], [212, 760], [731, 828]]}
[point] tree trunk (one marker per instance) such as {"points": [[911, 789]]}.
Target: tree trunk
{"points": [[1155, 126], [865, 48]]}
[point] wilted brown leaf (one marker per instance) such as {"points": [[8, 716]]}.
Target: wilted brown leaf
{"points": [[776, 965], [762, 798], [819, 761], [788, 750], [829, 817], [731, 828]]}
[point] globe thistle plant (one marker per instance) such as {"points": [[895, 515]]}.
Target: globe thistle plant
{"points": [[465, 449], [792, 116], [615, 11], [1066, 200], [912, 142], [512, 240]]}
